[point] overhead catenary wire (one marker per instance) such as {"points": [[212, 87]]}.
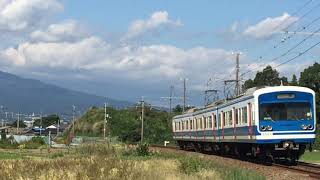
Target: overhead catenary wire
{"points": [[296, 31], [303, 16], [293, 14], [297, 56], [284, 54]]}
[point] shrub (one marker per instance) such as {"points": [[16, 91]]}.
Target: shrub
{"points": [[56, 155], [316, 144], [95, 149], [192, 165], [34, 143], [38, 140], [8, 143], [143, 149]]}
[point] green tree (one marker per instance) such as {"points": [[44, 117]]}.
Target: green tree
{"points": [[310, 77], [47, 121], [284, 80], [21, 124], [294, 80], [248, 84], [267, 77], [177, 109]]}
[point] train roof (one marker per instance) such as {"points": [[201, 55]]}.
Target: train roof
{"points": [[250, 93]]}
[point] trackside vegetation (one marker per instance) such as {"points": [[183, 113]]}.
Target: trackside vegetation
{"points": [[118, 161], [125, 124]]}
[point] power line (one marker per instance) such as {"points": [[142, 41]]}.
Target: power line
{"points": [[170, 98], [296, 31], [300, 54], [304, 15], [293, 14], [286, 53]]}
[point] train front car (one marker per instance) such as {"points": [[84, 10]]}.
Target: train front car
{"points": [[286, 121]]}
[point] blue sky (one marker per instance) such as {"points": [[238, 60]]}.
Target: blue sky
{"points": [[128, 49]]}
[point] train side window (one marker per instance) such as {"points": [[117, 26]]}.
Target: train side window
{"points": [[190, 122], [210, 122], [230, 118], [225, 121], [182, 125], [196, 122], [205, 122], [244, 115], [236, 116], [221, 119], [187, 124], [240, 116], [252, 113], [214, 120]]}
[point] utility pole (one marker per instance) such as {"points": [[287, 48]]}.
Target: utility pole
{"points": [[142, 116], [105, 121], [170, 98], [40, 123], [238, 90], [58, 125], [18, 121], [6, 119], [184, 94], [210, 93], [2, 120], [73, 118]]}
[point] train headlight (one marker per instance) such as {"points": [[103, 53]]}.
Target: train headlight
{"points": [[269, 128], [310, 127], [286, 144], [304, 127], [263, 128]]}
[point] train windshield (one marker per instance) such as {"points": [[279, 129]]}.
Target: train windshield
{"points": [[285, 111]]}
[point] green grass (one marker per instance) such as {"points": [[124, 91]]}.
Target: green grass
{"points": [[8, 155], [313, 157]]}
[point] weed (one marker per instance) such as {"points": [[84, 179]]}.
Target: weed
{"points": [[143, 149]]}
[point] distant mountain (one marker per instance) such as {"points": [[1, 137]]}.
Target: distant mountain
{"points": [[27, 95]]}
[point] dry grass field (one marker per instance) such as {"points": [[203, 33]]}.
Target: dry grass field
{"points": [[98, 161]]}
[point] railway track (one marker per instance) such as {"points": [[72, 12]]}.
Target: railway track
{"points": [[312, 170]]}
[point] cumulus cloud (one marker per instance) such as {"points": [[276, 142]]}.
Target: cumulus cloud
{"points": [[17, 15], [156, 20], [269, 26], [95, 55], [65, 31]]}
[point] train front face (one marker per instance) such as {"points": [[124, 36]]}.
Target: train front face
{"points": [[287, 120]]}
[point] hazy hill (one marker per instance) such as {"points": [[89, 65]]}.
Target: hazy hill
{"points": [[28, 95]]}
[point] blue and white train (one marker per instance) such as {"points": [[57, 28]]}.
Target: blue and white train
{"points": [[268, 122]]}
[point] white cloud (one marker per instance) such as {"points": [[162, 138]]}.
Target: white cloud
{"points": [[156, 20], [269, 26], [94, 55], [65, 31], [17, 15]]}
